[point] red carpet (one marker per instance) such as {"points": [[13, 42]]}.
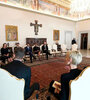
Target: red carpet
{"points": [[45, 73], [48, 71]]}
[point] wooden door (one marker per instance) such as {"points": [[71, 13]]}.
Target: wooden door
{"points": [[68, 39], [84, 40]]}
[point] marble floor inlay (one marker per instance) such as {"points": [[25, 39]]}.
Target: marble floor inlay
{"points": [[85, 53]]}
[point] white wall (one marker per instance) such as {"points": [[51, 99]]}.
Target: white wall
{"points": [[83, 27], [22, 19]]}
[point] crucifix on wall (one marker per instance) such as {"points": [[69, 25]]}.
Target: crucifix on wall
{"points": [[36, 26]]}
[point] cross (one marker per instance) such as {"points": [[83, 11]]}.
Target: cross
{"points": [[36, 25]]}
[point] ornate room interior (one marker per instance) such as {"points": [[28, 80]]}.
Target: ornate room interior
{"points": [[55, 22]]}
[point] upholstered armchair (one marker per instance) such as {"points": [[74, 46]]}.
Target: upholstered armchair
{"points": [[11, 88], [55, 49], [50, 48], [63, 49], [80, 87], [42, 54]]}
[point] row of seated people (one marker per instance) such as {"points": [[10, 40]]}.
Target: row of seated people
{"points": [[16, 67], [36, 50], [5, 54]]}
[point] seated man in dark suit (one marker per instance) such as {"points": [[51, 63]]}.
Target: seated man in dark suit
{"points": [[28, 51], [18, 69], [45, 49], [75, 58], [36, 50]]}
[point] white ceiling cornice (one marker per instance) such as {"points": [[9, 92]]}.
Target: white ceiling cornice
{"points": [[40, 12]]}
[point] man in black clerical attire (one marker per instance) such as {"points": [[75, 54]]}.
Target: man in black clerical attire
{"points": [[18, 69], [4, 53], [45, 49], [28, 51], [75, 58], [73, 41]]}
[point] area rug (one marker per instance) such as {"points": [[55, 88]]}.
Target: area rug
{"points": [[45, 71], [44, 61], [85, 63]]}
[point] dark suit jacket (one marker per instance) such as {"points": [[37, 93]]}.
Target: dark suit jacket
{"points": [[44, 49], [16, 48], [65, 79], [28, 50], [73, 41], [36, 49], [4, 51], [20, 70]]}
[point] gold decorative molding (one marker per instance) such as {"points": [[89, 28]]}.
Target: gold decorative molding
{"points": [[35, 11], [42, 12], [61, 3]]}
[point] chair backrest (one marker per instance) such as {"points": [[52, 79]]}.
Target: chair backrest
{"points": [[74, 47], [55, 47], [63, 47], [41, 47], [11, 88], [33, 46], [80, 87], [49, 47]]}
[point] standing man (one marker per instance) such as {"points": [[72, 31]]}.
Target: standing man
{"points": [[73, 41], [28, 51], [18, 69]]}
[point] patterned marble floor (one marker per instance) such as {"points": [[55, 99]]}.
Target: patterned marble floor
{"points": [[85, 53]]}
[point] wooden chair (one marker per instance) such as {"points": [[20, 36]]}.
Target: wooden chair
{"points": [[50, 48], [42, 54], [11, 88], [79, 87], [55, 50], [36, 55], [63, 50], [26, 56]]}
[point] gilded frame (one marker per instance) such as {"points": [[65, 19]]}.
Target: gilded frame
{"points": [[11, 33], [56, 35]]}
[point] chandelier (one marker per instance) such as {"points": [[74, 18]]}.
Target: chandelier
{"points": [[80, 6]]}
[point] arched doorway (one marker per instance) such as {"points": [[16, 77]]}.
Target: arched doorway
{"points": [[84, 40]]}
